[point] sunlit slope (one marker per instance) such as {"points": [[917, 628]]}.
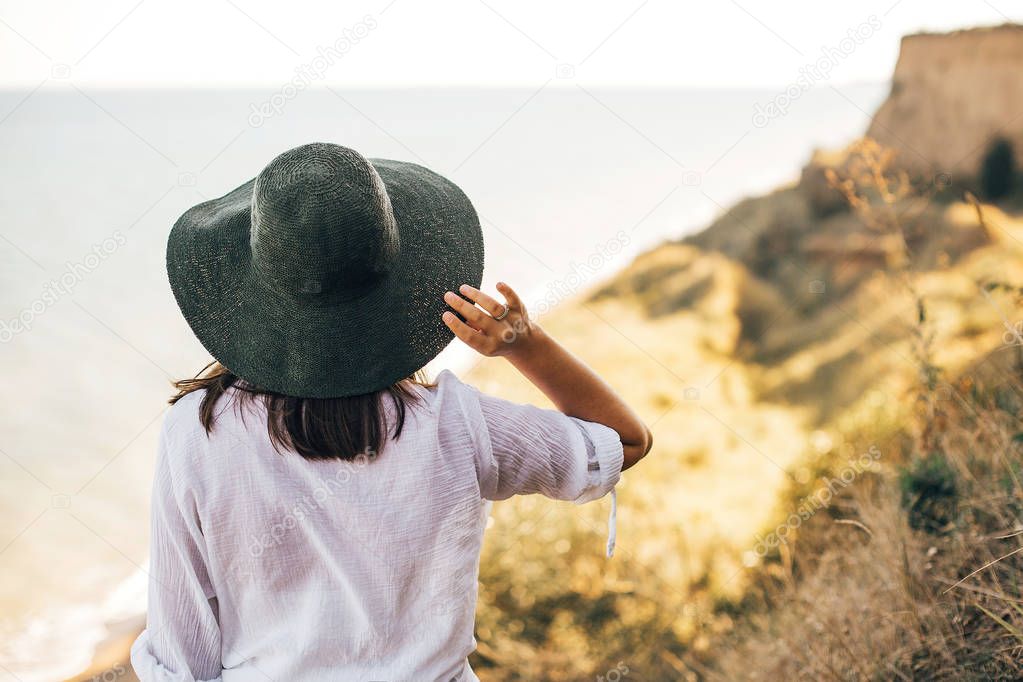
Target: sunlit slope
{"points": [[749, 349]]}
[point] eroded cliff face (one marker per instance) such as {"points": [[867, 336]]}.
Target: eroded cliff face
{"points": [[952, 94]]}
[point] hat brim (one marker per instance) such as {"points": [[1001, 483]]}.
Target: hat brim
{"points": [[315, 350]]}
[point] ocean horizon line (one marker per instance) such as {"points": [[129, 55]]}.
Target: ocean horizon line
{"points": [[566, 85]]}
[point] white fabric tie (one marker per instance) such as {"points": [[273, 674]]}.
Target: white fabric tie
{"points": [[612, 525]]}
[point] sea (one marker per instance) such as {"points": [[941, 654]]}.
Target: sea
{"points": [[570, 182]]}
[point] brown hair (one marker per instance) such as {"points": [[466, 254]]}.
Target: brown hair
{"points": [[315, 428]]}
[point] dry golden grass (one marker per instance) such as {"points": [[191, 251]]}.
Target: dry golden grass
{"points": [[922, 578], [551, 605]]}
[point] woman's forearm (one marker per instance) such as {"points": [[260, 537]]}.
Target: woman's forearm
{"points": [[497, 329], [578, 391]]}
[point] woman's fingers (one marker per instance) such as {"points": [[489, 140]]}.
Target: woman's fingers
{"points": [[480, 329], [509, 295], [473, 315], [463, 331], [486, 302]]}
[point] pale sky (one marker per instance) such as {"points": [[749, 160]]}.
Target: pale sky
{"points": [[651, 43]]}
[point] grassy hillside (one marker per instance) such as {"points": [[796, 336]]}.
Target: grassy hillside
{"points": [[911, 573], [823, 329]]}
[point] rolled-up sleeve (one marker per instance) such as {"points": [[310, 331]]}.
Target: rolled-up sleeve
{"points": [[522, 449], [181, 642]]}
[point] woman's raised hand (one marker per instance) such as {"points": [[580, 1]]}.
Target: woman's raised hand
{"points": [[492, 328], [505, 329]]}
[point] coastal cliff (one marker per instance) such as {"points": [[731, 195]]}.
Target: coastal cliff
{"points": [[952, 95]]}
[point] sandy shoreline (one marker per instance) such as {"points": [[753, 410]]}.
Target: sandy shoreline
{"points": [[110, 662]]}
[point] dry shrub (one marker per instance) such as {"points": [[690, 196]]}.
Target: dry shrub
{"points": [[914, 573], [870, 597]]}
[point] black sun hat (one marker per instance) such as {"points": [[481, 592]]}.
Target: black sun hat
{"points": [[324, 275]]}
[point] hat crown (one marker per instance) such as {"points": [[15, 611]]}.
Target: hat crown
{"points": [[322, 223]]}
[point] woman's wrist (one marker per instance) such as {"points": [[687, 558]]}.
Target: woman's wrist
{"points": [[523, 340], [531, 347]]}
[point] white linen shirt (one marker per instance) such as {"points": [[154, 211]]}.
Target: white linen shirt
{"points": [[268, 566]]}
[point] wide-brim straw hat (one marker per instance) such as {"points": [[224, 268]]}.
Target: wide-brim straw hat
{"points": [[324, 275]]}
